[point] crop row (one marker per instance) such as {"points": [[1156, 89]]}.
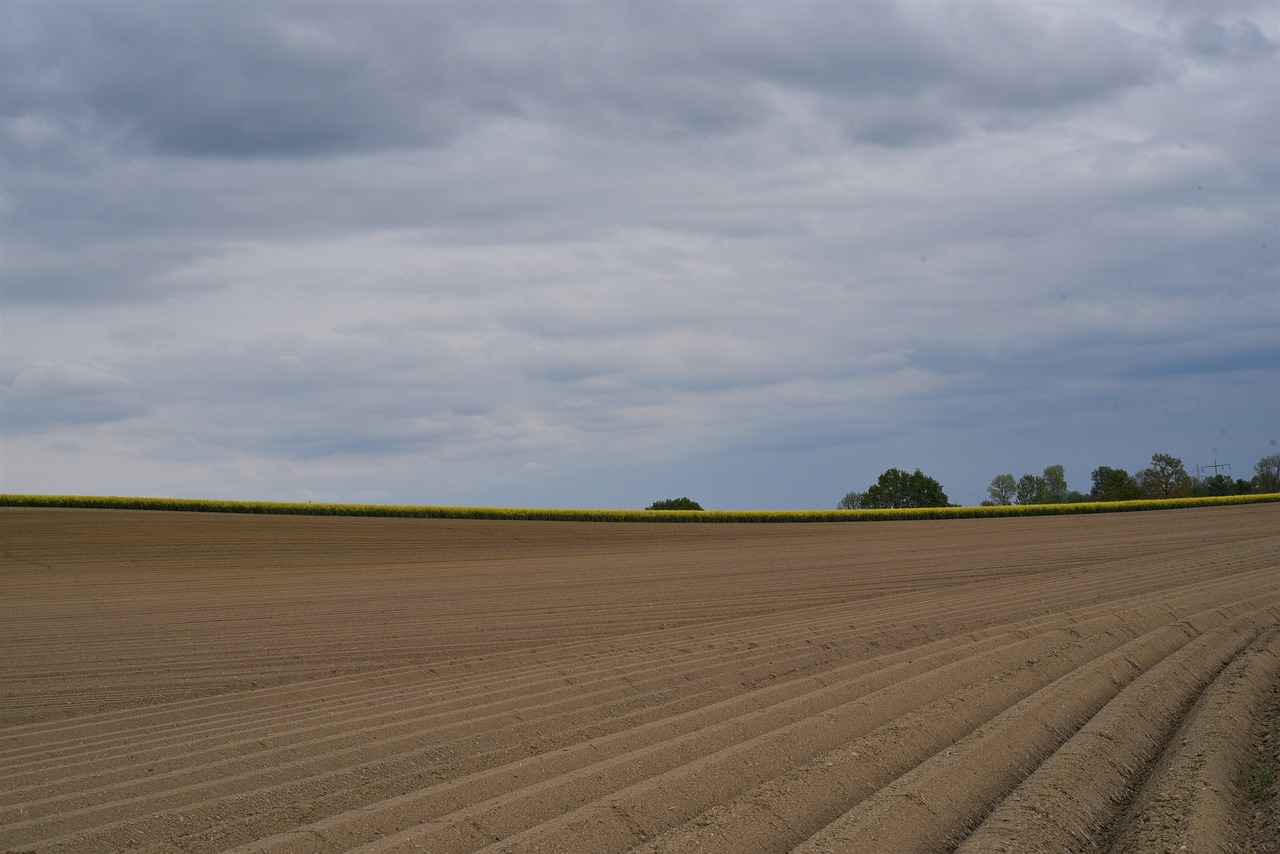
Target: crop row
{"points": [[205, 505]]}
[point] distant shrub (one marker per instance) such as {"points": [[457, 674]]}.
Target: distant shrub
{"points": [[851, 501], [675, 504]]}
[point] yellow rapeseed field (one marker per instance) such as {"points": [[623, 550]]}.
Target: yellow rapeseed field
{"points": [[204, 505]]}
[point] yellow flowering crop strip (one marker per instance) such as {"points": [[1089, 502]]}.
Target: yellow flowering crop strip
{"points": [[204, 505]]}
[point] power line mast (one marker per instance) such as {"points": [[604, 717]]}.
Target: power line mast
{"points": [[1216, 465]]}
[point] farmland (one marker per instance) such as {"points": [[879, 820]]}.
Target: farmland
{"points": [[281, 683]]}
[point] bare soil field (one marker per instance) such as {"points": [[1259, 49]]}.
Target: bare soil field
{"points": [[206, 682]]}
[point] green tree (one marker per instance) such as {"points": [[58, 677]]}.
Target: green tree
{"points": [[1031, 489], [1055, 485], [851, 501], [1165, 478], [1113, 485], [1003, 489], [896, 488], [675, 504], [1049, 488], [1215, 484], [1267, 474]]}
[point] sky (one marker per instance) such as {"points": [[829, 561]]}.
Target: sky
{"points": [[601, 254]]}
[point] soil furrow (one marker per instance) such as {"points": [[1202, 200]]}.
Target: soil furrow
{"points": [[792, 571], [237, 718], [620, 744], [728, 776], [205, 682], [1196, 795], [513, 681], [745, 751], [830, 635], [682, 737], [715, 664], [783, 812], [1067, 803]]}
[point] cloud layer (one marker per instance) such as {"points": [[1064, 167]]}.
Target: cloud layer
{"points": [[557, 254]]}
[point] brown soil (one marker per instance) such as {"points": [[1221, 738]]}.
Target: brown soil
{"points": [[204, 682]]}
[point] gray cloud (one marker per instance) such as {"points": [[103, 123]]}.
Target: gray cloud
{"points": [[192, 80], [566, 254], [44, 394], [1219, 35], [281, 81]]}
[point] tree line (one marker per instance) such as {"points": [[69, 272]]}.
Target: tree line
{"points": [[1165, 477]]}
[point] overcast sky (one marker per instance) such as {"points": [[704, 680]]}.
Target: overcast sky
{"points": [[600, 254]]}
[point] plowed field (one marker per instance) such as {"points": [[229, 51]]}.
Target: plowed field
{"points": [[204, 682]]}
